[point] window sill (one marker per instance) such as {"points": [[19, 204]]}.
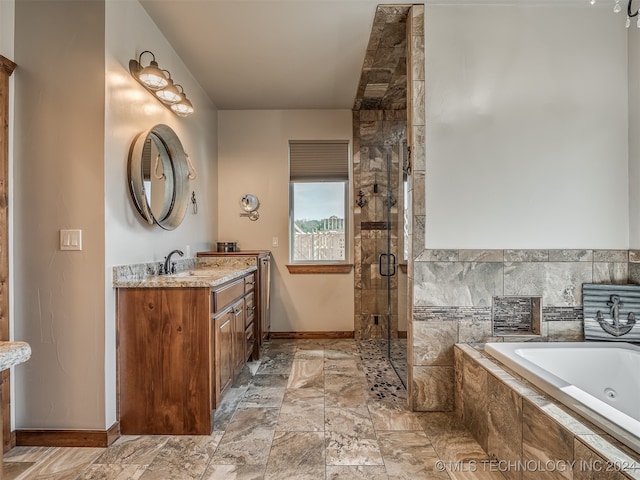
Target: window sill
{"points": [[320, 268]]}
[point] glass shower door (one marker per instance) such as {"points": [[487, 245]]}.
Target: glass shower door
{"points": [[398, 285], [388, 260]]}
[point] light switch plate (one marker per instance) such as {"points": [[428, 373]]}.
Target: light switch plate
{"points": [[70, 239]]}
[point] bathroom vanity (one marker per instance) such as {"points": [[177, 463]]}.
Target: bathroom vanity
{"points": [[262, 260], [182, 339]]}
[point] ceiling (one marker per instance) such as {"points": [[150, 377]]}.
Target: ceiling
{"points": [[270, 54], [280, 54]]}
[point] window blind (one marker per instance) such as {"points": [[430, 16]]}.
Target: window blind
{"points": [[318, 160]]}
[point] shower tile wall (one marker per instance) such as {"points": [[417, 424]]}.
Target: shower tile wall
{"points": [[453, 293], [379, 128], [377, 133]]}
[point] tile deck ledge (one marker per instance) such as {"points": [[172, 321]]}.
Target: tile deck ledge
{"points": [[13, 353]]}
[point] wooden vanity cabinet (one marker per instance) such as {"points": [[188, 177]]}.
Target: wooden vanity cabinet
{"points": [[179, 350]]}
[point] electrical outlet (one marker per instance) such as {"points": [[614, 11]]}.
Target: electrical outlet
{"points": [[275, 242]]}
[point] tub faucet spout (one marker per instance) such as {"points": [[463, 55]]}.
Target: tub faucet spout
{"points": [[167, 262]]}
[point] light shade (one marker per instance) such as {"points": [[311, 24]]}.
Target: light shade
{"points": [[183, 107], [151, 76], [169, 94]]}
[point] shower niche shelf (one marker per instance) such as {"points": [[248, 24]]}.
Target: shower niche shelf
{"points": [[516, 315]]}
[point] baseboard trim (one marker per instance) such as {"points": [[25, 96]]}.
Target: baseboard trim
{"points": [[8, 445], [310, 335], [68, 438]]}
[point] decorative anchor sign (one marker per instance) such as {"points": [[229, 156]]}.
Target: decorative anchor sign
{"points": [[610, 312], [616, 328]]}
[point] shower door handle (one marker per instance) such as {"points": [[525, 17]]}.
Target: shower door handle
{"points": [[391, 262]]}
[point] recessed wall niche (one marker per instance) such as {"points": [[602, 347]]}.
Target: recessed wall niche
{"points": [[511, 315]]}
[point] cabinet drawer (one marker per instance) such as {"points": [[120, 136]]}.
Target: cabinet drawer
{"points": [[223, 296], [249, 282]]}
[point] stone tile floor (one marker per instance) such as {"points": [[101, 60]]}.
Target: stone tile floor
{"points": [[309, 409]]}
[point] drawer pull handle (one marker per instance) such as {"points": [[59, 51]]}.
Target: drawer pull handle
{"points": [[250, 283], [251, 309]]}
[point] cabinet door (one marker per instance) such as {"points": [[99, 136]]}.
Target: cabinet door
{"points": [[224, 341], [163, 361]]}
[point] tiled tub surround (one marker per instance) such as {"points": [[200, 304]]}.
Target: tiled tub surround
{"points": [[594, 379], [531, 435], [453, 292]]}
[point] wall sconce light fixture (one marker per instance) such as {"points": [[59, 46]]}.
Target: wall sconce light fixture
{"points": [[250, 204], [160, 83]]}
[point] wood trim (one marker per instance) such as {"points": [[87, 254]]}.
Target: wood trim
{"points": [[6, 66], [320, 268], [12, 442], [8, 440], [114, 433], [6, 69], [68, 438], [311, 335], [239, 253], [403, 267]]}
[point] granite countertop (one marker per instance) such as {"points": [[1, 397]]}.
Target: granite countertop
{"points": [[13, 353], [196, 277]]}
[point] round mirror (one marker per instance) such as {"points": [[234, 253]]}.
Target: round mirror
{"points": [[159, 177], [249, 202]]}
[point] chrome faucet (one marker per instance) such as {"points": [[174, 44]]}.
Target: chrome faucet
{"points": [[167, 262]]}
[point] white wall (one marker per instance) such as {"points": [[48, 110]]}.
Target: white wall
{"points": [[78, 110], [131, 110], [526, 115], [59, 183], [253, 158], [7, 17], [7, 27], [634, 138]]}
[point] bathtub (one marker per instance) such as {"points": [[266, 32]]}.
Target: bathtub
{"points": [[598, 380]]}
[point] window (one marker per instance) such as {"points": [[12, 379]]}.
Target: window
{"points": [[318, 190]]}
